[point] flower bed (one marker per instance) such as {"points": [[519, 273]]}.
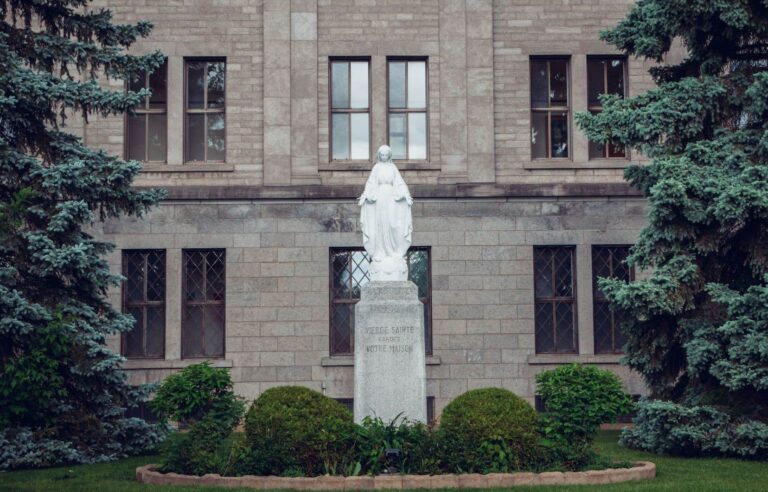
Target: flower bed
{"points": [[641, 470]]}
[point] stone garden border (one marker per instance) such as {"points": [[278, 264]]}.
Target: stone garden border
{"points": [[641, 471]]}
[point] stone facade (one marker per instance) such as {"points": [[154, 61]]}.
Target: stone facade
{"points": [[278, 203]]}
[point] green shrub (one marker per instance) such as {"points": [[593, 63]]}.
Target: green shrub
{"points": [[295, 428], [413, 440], [488, 430], [578, 399], [201, 397]]}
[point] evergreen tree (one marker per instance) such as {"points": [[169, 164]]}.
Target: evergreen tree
{"points": [[698, 325], [63, 396]]}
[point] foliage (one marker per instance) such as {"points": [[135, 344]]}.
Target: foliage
{"points": [[578, 399], [413, 440], [201, 397], [489, 429], [292, 427], [196, 392], [63, 395], [697, 325], [666, 427]]}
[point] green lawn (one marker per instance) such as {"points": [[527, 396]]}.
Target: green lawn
{"points": [[674, 474]]}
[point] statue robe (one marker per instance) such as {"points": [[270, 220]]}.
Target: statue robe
{"points": [[385, 215]]}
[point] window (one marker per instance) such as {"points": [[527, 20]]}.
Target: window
{"points": [[144, 299], [146, 129], [550, 108], [203, 292], [555, 296], [608, 261], [350, 110], [349, 272], [204, 133], [605, 76], [407, 105]]}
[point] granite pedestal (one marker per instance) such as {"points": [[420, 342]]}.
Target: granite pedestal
{"points": [[390, 371]]}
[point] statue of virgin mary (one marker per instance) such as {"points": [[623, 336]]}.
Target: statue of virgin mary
{"points": [[385, 217]]}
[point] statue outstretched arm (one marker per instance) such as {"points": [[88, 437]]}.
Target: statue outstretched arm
{"points": [[369, 194]]}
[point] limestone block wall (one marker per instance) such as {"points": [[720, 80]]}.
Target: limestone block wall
{"points": [[277, 285]]}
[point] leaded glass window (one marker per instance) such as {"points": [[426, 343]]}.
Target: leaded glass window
{"points": [[608, 261], [203, 294], [555, 299], [349, 273], [144, 299]]}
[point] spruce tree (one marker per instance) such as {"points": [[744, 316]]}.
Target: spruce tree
{"points": [[63, 396], [698, 324]]}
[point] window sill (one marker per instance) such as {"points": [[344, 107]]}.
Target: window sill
{"points": [[619, 163], [187, 168], [132, 364], [537, 359], [349, 361], [367, 166]]}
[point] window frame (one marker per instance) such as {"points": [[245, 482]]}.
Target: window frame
{"points": [[599, 108], [597, 297], [427, 301], [205, 110], [146, 111], [184, 303], [348, 111], [407, 110], [554, 300], [125, 304], [551, 109]]}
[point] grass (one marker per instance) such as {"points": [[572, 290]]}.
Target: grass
{"points": [[673, 474]]}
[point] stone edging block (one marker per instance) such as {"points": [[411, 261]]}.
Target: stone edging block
{"points": [[641, 471]]}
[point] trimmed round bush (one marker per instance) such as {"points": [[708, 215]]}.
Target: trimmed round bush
{"points": [[489, 430], [295, 430]]}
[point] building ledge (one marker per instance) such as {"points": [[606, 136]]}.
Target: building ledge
{"points": [[617, 163], [137, 364], [187, 168], [349, 361], [550, 359]]}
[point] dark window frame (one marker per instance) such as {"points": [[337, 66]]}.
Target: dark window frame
{"points": [[549, 109], [348, 111], [407, 110], [554, 300], [599, 298], [427, 301], [599, 107], [205, 110], [185, 303], [146, 111], [144, 304]]}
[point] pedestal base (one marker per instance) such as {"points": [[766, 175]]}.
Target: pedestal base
{"points": [[390, 371]]}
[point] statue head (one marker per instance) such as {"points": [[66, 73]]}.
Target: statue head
{"points": [[384, 154]]}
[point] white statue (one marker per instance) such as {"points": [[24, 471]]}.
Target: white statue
{"points": [[385, 216]]}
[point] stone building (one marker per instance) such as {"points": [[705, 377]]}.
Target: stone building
{"points": [[262, 127]]}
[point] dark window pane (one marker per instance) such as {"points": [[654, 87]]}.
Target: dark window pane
{"points": [[340, 275], [195, 137], [155, 331], [137, 137], [216, 140], [608, 261], [216, 76], [193, 332], [342, 328], [539, 133], [565, 340], [397, 135], [195, 269], [158, 86], [340, 129], [616, 150], [595, 81], [214, 273], [563, 269], [196, 85], [543, 273], [340, 85], [418, 272], [558, 82], [156, 148], [596, 150], [134, 277], [144, 299], [213, 328], [396, 84], [134, 338], [137, 83], [539, 84], [559, 134], [204, 295], [615, 77], [543, 316], [554, 296]]}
